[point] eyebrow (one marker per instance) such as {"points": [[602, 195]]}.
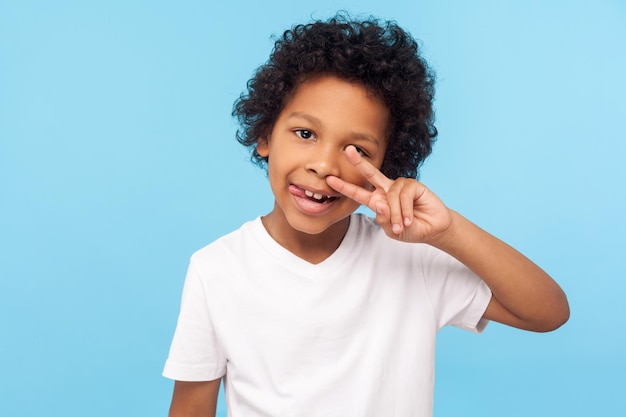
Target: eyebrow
{"points": [[318, 123]]}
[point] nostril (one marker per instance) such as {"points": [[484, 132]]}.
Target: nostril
{"points": [[322, 167]]}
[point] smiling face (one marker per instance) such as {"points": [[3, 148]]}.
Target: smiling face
{"points": [[307, 143]]}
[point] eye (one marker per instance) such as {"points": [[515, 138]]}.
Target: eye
{"points": [[361, 151], [304, 133]]}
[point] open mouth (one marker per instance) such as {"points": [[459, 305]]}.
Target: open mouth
{"points": [[319, 198]]}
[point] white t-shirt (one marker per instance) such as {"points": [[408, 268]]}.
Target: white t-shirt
{"points": [[351, 336]]}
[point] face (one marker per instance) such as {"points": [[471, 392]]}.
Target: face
{"points": [[307, 144]]}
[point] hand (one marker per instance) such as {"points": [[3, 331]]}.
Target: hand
{"points": [[405, 208]]}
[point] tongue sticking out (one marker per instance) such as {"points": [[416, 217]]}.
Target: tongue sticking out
{"points": [[318, 198]]}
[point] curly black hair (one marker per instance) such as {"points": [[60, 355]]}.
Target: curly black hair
{"points": [[378, 55]]}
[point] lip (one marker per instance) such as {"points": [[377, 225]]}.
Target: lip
{"points": [[308, 206], [313, 190]]}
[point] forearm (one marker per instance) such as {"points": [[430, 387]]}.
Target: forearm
{"points": [[532, 299]]}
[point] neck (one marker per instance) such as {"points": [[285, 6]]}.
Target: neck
{"points": [[313, 248]]}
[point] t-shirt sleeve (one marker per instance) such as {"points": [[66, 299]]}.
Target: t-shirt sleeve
{"points": [[459, 297], [195, 353]]}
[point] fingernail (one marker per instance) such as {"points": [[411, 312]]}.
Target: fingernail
{"points": [[407, 221], [396, 228]]}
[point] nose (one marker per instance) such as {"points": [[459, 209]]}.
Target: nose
{"points": [[323, 161]]}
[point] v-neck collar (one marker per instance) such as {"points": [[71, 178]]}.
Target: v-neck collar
{"points": [[291, 261]]}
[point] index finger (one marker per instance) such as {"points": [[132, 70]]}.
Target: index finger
{"points": [[369, 171]]}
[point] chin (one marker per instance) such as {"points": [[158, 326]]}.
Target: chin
{"points": [[310, 227]]}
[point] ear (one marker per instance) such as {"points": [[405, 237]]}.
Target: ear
{"points": [[263, 146]]}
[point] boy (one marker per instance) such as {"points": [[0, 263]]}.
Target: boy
{"points": [[313, 310]]}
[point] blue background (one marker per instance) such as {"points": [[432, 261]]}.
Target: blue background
{"points": [[118, 160]]}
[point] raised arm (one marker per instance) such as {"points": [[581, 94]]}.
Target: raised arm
{"points": [[524, 296], [194, 399]]}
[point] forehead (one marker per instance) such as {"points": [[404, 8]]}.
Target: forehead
{"points": [[339, 102], [333, 82]]}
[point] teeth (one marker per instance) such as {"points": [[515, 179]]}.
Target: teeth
{"points": [[316, 196]]}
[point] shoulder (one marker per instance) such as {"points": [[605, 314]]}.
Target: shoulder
{"points": [[364, 227], [419, 261], [230, 247], [374, 246], [369, 232]]}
